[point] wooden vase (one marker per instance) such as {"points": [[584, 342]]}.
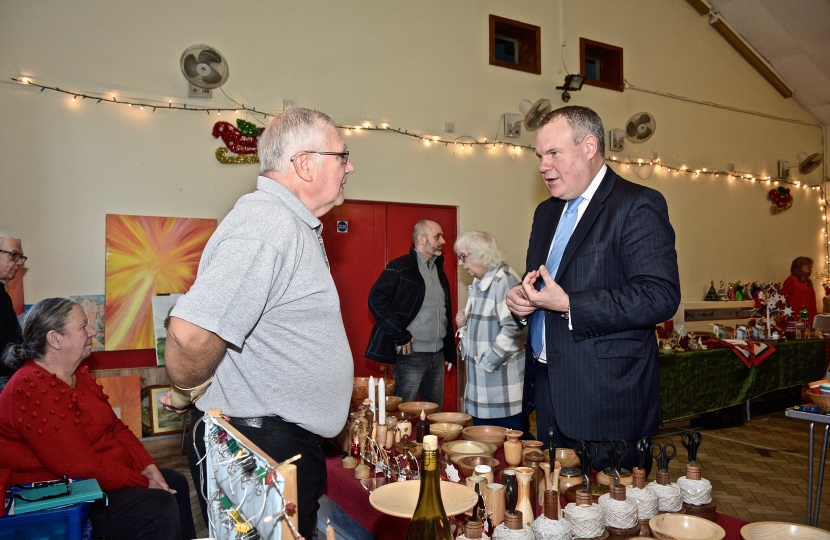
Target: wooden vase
{"points": [[525, 503], [496, 500], [513, 448]]}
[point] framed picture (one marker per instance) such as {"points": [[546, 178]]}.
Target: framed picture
{"points": [[157, 420]]}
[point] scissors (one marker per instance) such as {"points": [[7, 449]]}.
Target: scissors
{"points": [[587, 452], [692, 442], [642, 450], [615, 449], [665, 453]]}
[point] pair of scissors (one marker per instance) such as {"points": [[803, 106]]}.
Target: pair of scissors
{"points": [[615, 449], [642, 450], [665, 453], [692, 442], [587, 453]]}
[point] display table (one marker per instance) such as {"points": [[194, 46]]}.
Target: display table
{"points": [[350, 496], [812, 512], [697, 382]]}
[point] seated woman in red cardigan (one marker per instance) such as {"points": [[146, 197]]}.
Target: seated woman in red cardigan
{"points": [[55, 420], [798, 288]]}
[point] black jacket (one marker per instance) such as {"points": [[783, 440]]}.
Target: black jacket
{"points": [[395, 300]]}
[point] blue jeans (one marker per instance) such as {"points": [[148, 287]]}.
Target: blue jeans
{"points": [[422, 375]]}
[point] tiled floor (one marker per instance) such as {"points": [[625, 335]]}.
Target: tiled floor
{"points": [[758, 470]]}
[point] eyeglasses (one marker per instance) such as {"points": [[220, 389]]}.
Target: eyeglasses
{"points": [[463, 257], [344, 156], [17, 488], [15, 255]]}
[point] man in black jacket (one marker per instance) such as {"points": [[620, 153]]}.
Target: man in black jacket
{"points": [[11, 260], [413, 317]]}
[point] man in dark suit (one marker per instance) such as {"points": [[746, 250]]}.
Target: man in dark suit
{"points": [[601, 273]]}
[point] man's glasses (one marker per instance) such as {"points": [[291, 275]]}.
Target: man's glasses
{"points": [[64, 483], [344, 156], [463, 257], [17, 256]]}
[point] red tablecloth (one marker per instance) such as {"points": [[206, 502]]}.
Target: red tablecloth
{"points": [[348, 493]]}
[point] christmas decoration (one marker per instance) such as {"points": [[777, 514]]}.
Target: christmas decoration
{"points": [[781, 199], [240, 140], [712, 295], [223, 157]]}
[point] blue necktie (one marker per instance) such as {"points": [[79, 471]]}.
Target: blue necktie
{"points": [[563, 233]]}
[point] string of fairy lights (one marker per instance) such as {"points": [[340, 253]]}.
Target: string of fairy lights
{"points": [[467, 142]]}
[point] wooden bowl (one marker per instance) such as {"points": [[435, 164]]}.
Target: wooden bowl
{"points": [[765, 530], [360, 390], [684, 527], [566, 456], [392, 403], [460, 418], [401, 416], [459, 449], [445, 431], [489, 434], [415, 407], [467, 465]]}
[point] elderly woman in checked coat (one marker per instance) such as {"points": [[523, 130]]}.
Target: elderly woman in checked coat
{"points": [[491, 340]]}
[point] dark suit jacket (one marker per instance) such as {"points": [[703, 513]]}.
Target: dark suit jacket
{"points": [[620, 272]]}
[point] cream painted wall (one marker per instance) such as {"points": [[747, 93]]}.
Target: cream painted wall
{"points": [[412, 64]]}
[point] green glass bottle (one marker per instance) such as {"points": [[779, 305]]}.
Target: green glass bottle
{"points": [[429, 522]]}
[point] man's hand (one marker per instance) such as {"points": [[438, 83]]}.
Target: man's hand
{"points": [[165, 400], [518, 303], [552, 297], [406, 348], [191, 353], [461, 318], [156, 478]]}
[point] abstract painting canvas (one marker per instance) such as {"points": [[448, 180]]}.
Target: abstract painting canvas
{"points": [[124, 395], [93, 306], [147, 256]]}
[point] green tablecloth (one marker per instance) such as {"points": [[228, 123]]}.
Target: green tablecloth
{"points": [[696, 382]]}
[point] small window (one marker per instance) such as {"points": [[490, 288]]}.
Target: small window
{"points": [[515, 45], [601, 64]]}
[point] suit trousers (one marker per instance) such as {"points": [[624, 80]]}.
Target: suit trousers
{"points": [[311, 468], [546, 418], [420, 374], [138, 513]]}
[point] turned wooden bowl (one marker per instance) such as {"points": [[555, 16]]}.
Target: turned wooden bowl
{"points": [[360, 390], [415, 407], [467, 465], [392, 403], [401, 416], [565, 456], [459, 449], [460, 418], [489, 434], [683, 527], [445, 431]]}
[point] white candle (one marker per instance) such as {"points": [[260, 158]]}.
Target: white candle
{"points": [[381, 402], [372, 394]]}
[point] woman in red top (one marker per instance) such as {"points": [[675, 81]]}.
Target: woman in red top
{"points": [[798, 288], [55, 420]]}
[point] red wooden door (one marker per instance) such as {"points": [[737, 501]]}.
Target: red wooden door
{"points": [[377, 232]]}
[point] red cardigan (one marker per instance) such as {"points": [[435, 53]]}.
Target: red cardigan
{"points": [[800, 294], [48, 429]]}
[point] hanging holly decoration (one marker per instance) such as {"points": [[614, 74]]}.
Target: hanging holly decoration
{"points": [[241, 140], [781, 199]]}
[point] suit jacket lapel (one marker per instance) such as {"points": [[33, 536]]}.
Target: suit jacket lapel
{"points": [[543, 248], [587, 220]]}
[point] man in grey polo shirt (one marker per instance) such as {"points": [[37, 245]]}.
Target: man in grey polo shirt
{"points": [[263, 317]]}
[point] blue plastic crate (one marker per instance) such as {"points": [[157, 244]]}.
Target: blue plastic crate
{"points": [[65, 522]]}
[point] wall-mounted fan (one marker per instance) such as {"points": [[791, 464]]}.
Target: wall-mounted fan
{"points": [[638, 129], [806, 164], [204, 68], [531, 117]]}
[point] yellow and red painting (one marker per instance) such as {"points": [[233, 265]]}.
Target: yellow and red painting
{"points": [[147, 256]]}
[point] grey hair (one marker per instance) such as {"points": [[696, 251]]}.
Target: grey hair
{"points": [[292, 131], [583, 121], [482, 247], [4, 234], [45, 316], [421, 229]]}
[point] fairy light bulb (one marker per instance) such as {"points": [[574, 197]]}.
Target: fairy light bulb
{"points": [[357, 128]]}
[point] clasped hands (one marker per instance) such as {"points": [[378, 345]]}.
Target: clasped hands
{"points": [[524, 299], [156, 478]]}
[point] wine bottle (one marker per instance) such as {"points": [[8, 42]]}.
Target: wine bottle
{"points": [[429, 522]]}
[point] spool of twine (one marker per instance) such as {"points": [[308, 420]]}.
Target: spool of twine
{"points": [[586, 521], [646, 500], [669, 498], [695, 491], [619, 514], [550, 529], [513, 528]]}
